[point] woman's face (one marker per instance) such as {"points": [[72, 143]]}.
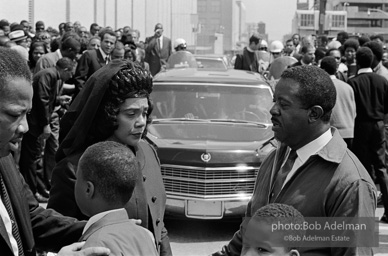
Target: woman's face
{"points": [[131, 121], [37, 53]]}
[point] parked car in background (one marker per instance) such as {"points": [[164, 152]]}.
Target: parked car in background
{"points": [[212, 61], [211, 130]]}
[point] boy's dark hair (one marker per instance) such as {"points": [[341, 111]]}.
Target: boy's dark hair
{"points": [[112, 168]]}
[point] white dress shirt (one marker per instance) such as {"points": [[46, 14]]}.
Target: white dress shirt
{"points": [[306, 151]]}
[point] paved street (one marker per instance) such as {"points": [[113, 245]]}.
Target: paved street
{"points": [[200, 237], [197, 237]]}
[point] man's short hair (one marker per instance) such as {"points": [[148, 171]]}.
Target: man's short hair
{"points": [[315, 87], [105, 31], [376, 48], [255, 38], [92, 26], [12, 65], [351, 43], [364, 57], [306, 48], [70, 44], [329, 64], [332, 50], [344, 35], [373, 37], [112, 168], [363, 40], [65, 63]]}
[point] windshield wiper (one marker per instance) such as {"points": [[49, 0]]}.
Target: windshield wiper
{"points": [[158, 120], [237, 121]]}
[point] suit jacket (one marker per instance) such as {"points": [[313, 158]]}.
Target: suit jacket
{"points": [[90, 62], [243, 61], [45, 229], [121, 235], [147, 203], [155, 56], [46, 85]]}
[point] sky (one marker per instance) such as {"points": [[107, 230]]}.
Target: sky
{"points": [[277, 14]]}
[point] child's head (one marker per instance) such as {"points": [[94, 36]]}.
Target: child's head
{"points": [[259, 236], [106, 177]]}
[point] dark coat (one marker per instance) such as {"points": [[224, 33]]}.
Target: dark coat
{"points": [[156, 57], [38, 227], [46, 85], [90, 62]]}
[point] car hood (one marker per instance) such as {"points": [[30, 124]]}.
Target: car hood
{"points": [[193, 142]]}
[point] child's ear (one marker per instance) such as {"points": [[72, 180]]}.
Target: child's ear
{"points": [[89, 189], [294, 252]]}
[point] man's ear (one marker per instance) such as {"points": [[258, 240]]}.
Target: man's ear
{"points": [[294, 252], [315, 113], [89, 189]]}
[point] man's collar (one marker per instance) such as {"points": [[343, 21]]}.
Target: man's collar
{"points": [[364, 70], [249, 49], [378, 66], [58, 51], [333, 77], [314, 146], [301, 61], [97, 217]]}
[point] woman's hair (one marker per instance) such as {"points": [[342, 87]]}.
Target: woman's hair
{"points": [[35, 44], [131, 81]]}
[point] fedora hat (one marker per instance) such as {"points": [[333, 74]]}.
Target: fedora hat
{"points": [[17, 35]]}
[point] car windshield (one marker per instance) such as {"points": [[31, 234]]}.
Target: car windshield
{"points": [[212, 102]]}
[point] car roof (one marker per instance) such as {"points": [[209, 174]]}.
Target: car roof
{"points": [[229, 76]]}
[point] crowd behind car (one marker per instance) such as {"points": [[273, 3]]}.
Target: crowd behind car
{"points": [[76, 54]]}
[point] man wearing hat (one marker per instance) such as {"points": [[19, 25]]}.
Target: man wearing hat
{"points": [[19, 37], [158, 49]]}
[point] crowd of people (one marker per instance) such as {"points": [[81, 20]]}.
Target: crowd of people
{"points": [[89, 101]]}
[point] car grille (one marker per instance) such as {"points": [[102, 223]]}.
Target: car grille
{"points": [[209, 182]]}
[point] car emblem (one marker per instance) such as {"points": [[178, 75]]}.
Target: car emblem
{"points": [[206, 157]]}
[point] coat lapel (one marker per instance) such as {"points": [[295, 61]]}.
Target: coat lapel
{"points": [[12, 177]]}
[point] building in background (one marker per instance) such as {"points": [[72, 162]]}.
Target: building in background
{"points": [[364, 16], [222, 24], [357, 17]]}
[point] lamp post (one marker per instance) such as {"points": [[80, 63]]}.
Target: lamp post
{"points": [[376, 10]]}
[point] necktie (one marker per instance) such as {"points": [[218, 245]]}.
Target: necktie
{"points": [[282, 174], [8, 206], [106, 60]]}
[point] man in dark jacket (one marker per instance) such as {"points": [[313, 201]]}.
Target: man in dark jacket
{"points": [[158, 49], [248, 60], [24, 225], [47, 84], [371, 95], [312, 169]]}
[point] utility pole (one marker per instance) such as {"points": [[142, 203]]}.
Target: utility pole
{"points": [[322, 12]]}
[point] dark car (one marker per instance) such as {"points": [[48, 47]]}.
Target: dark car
{"points": [[211, 131]]}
